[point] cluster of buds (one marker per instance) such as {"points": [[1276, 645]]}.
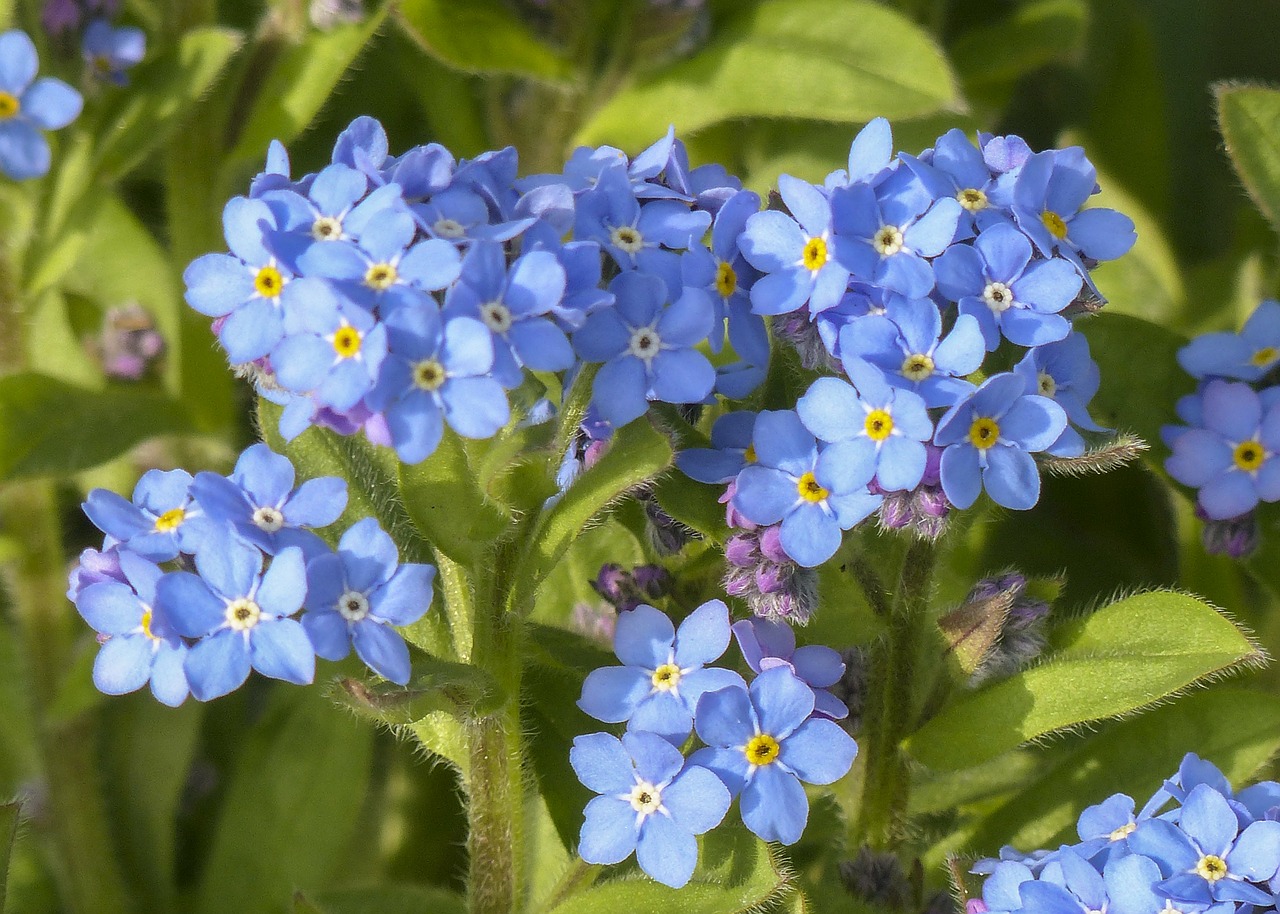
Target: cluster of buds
{"points": [[760, 572]]}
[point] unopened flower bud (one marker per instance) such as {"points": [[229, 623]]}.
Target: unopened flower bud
{"points": [[667, 535], [129, 343], [801, 333], [877, 877], [652, 581], [771, 578], [771, 545], [1236, 537], [742, 550], [612, 583]]}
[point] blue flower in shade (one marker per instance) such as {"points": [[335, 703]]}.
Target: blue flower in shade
{"points": [[634, 235], [334, 207], [1232, 459], [437, 372], [873, 429], [997, 282], [814, 496], [1208, 856], [1051, 189], [649, 802], [1246, 356], [159, 523], [665, 673], [989, 438], [240, 615], [1064, 372], [1106, 827], [955, 167], [870, 157], [460, 216], [580, 261], [110, 51], [28, 106], [139, 648], [356, 595], [730, 450], [763, 742], [884, 235], [1069, 884], [332, 353], [766, 644], [1000, 892], [261, 505], [907, 345], [648, 350], [514, 304], [795, 254], [727, 277], [363, 145], [250, 289]]}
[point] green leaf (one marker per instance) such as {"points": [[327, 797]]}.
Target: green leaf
{"points": [[1235, 729], [8, 835], [291, 807], [163, 92], [637, 453], [1125, 656], [737, 873], [49, 427], [382, 899], [832, 60], [1032, 35], [480, 36], [301, 79], [1249, 118]]}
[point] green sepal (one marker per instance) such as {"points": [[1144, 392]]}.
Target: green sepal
{"points": [[301, 78], [437, 685], [1124, 657], [637, 453], [1249, 118], [480, 36], [49, 427], [869, 61]]}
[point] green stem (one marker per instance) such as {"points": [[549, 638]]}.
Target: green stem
{"points": [[896, 676]]}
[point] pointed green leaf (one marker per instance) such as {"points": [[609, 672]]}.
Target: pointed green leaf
{"points": [[1249, 118], [1125, 656], [480, 36], [301, 79], [49, 427], [163, 92], [831, 60]]}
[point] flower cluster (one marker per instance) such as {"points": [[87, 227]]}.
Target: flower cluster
{"points": [[761, 741], [901, 274], [1214, 850], [1227, 448], [257, 563], [29, 106]]}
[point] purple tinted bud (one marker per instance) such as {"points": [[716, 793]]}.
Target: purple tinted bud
{"points": [[731, 516], [852, 687], [994, 586], [895, 510], [667, 535], [593, 452], [1236, 537], [975, 906], [596, 622], [770, 578], [741, 551], [739, 582], [932, 465], [799, 331], [653, 581], [93, 568], [613, 583], [877, 877], [795, 603], [60, 16], [932, 502], [931, 527], [771, 545], [129, 343]]}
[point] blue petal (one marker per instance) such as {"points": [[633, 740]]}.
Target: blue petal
{"points": [[830, 409], [819, 751], [406, 596], [612, 693], [961, 475], [18, 61], [368, 553], [1034, 422], [663, 714], [725, 718], [123, 664], [1103, 234], [772, 241], [1256, 853], [682, 376], [703, 636], [644, 637], [697, 799], [317, 502], [782, 700], [24, 152], [382, 649], [476, 407], [618, 390], [329, 633], [609, 832], [665, 851], [51, 103], [774, 806], [655, 759], [1011, 478], [217, 665], [810, 536], [168, 678], [782, 441], [602, 764], [281, 649], [110, 607]]}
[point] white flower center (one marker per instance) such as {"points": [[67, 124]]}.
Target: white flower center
{"points": [[998, 296], [888, 240], [1046, 384], [645, 798], [353, 606], [268, 519], [644, 343], [326, 228], [449, 228], [243, 614], [496, 316], [628, 239]]}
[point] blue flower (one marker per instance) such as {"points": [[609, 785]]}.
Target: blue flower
{"points": [[874, 430], [648, 348], [240, 615], [1064, 372], [1246, 356], [27, 106], [997, 282], [814, 496], [989, 438], [1232, 459], [870, 157], [110, 51], [635, 236], [437, 371], [580, 261], [356, 595], [766, 644], [730, 450], [261, 504], [955, 167], [333, 207], [665, 673], [460, 216], [1051, 189], [159, 523], [649, 802], [139, 646], [763, 742], [1106, 826]]}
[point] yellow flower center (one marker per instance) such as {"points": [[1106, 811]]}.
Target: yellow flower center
{"points": [[1211, 867], [972, 199], [917, 367], [666, 677], [761, 749], [1046, 384], [326, 228], [888, 241], [268, 282], [645, 798], [1123, 831], [814, 256], [1054, 223], [879, 425], [627, 239], [1249, 455], [9, 106], [1264, 356], [749, 455], [810, 489], [243, 614], [984, 433], [726, 280], [146, 625], [346, 342], [170, 520], [429, 374], [381, 276]]}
